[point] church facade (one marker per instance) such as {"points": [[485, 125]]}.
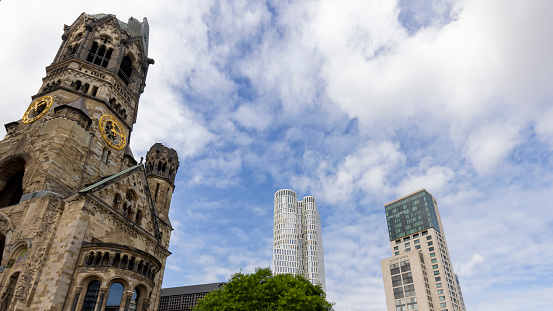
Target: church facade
{"points": [[83, 225]]}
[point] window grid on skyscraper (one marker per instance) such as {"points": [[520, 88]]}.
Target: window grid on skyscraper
{"points": [[415, 219], [297, 237]]}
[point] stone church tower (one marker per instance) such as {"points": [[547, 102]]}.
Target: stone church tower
{"points": [[83, 226]]}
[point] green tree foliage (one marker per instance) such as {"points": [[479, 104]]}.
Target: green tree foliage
{"points": [[262, 291]]}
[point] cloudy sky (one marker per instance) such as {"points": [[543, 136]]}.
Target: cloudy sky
{"points": [[355, 102]]}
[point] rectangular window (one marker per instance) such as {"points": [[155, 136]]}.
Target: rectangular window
{"points": [[396, 280], [418, 247], [394, 269], [396, 253], [398, 292], [430, 243], [440, 291], [431, 249], [434, 266], [439, 285], [409, 290], [398, 241], [442, 298], [443, 304], [405, 266], [417, 241], [407, 244], [432, 255], [437, 279], [434, 260], [396, 248], [407, 278], [436, 272], [429, 237], [407, 250]]}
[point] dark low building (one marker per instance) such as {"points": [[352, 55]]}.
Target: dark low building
{"points": [[184, 298]]}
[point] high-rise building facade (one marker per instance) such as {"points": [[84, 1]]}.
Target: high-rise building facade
{"points": [[83, 226], [297, 237], [419, 276]]}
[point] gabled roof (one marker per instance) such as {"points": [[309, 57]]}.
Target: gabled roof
{"points": [[113, 177], [78, 104], [139, 168]]}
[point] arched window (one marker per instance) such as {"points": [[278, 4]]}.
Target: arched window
{"points": [[128, 206], [139, 217], [99, 55], [86, 86], [114, 297], [134, 300], [117, 202], [91, 296], [77, 85], [11, 182], [8, 294], [125, 70]]}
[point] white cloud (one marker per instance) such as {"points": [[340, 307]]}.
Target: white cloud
{"points": [[544, 127], [367, 170], [425, 176], [467, 269], [339, 101], [487, 147], [250, 116]]}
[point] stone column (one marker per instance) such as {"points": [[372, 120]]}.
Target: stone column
{"points": [[128, 297], [117, 55], [86, 39], [103, 291], [78, 291], [145, 304]]}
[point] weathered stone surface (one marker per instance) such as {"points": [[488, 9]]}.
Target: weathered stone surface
{"points": [[74, 210]]}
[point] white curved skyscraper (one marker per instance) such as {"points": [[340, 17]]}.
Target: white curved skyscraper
{"points": [[297, 237]]}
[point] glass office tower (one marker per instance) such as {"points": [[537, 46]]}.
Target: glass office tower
{"points": [[419, 275], [297, 237]]}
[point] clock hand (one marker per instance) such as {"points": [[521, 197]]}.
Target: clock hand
{"points": [[114, 131]]}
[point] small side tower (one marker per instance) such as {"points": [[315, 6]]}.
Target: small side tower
{"points": [[162, 164]]}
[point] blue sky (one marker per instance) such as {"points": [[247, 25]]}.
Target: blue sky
{"points": [[353, 102]]}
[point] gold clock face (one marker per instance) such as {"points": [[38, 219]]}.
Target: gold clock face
{"points": [[37, 109], [113, 132]]}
